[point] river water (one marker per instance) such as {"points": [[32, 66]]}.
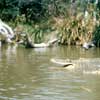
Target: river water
{"points": [[28, 74]]}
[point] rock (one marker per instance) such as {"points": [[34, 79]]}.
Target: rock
{"points": [[6, 32], [48, 44], [88, 45], [30, 44]]}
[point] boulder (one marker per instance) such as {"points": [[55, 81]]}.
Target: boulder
{"points": [[6, 32]]}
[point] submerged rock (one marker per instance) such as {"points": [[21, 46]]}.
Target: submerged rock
{"points": [[61, 62]]}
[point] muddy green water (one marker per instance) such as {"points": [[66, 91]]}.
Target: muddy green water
{"points": [[28, 74]]}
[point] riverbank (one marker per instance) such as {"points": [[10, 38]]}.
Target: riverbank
{"points": [[75, 30], [72, 22]]}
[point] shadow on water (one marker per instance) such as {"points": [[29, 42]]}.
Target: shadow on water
{"points": [[28, 74]]}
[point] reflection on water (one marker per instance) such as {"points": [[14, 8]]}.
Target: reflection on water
{"points": [[28, 74]]}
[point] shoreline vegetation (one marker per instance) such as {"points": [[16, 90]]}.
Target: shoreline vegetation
{"points": [[71, 26]]}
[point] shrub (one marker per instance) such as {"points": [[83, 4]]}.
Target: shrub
{"points": [[96, 35]]}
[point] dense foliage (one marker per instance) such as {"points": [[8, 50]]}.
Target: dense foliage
{"points": [[11, 9], [36, 9], [32, 9]]}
